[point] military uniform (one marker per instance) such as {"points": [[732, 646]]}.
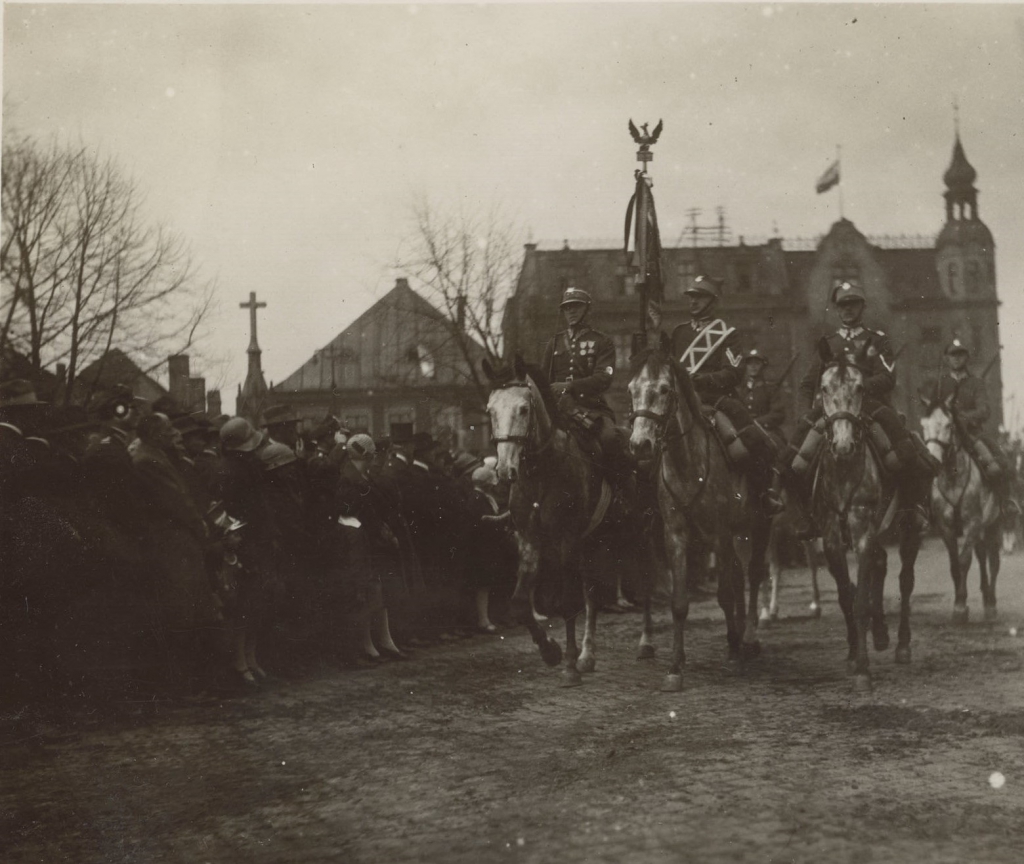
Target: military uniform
{"points": [[583, 359], [872, 353], [968, 398], [763, 401]]}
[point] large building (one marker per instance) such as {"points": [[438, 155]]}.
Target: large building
{"points": [[400, 368], [921, 292]]}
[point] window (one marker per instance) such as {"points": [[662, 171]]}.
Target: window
{"points": [[623, 347], [401, 422], [625, 282], [744, 277], [687, 273], [973, 277], [357, 419], [951, 280]]}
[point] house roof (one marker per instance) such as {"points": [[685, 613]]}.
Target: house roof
{"points": [[116, 367]]}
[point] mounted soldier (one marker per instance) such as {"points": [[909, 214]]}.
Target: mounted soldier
{"points": [[763, 399], [900, 455], [580, 362], [966, 396], [708, 349]]}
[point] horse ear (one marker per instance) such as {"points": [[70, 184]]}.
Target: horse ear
{"points": [[948, 402], [485, 364], [665, 342], [824, 350], [519, 366]]}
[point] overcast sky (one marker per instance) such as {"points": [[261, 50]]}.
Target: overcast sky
{"points": [[289, 143]]}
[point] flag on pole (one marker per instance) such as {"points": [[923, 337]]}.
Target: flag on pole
{"points": [[829, 179], [646, 252]]}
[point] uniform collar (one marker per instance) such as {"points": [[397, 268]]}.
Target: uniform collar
{"points": [[959, 376], [850, 332], [700, 323], [417, 464], [401, 457]]}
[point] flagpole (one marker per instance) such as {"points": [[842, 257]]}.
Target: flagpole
{"points": [[839, 167]]}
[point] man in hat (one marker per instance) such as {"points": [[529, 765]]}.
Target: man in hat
{"points": [[967, 396], [580, 362], [869, 349], [107, 466], [708, 349], [21, 419], [762, 399], [281, 423]]}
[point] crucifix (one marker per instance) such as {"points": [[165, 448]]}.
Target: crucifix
{"points": [[252, 306]]}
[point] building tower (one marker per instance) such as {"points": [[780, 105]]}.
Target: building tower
{"points": [[965, 250]]}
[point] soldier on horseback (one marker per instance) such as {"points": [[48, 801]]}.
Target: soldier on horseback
{"points": [[580, 362], [708, 349], [898, 451], [968, 400], [762, 399]]}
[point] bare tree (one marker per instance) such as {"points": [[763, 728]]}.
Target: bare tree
{"points": [[467, 265], [82, 267]]}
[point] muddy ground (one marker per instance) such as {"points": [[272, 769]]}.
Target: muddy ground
{"points": [[472, 753]]}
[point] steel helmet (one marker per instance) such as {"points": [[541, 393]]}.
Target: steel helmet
{"points": [[276, 455], [957, 347], [239, 434]]}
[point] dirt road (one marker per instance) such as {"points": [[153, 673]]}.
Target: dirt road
{"points": [[472, 753]]}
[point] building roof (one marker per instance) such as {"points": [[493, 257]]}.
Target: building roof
{"points": [[116, 367]]}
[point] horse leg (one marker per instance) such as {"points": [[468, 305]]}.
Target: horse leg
{"points": [[676, 549], [646, 649], [965, 555], [770, 610], [879, 630], [521, 605], [570, 674], [757, 569], [812, 562], [835, 555], [910, 544], [250, 655], [866, 575], [728, 566], [588, 659], [959, 585], [988, 563], [238, 660]]}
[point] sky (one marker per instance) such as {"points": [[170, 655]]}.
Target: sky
{"points": [[289, 143]]}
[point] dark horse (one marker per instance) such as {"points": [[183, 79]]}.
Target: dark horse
{"points": [[703, 500], [853, 504], [568, 535]]}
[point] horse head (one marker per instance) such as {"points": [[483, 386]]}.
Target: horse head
{"points": [[652, 392], [937, 427], [519, 413], [842, 397]]}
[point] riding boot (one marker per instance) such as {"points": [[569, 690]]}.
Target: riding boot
{"points": [[764, 480]]}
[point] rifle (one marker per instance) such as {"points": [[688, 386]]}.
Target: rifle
{"points": [[785, 374], [991, 363]]}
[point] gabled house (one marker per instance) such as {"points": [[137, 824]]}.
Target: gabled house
{"points": [[400, 368]]}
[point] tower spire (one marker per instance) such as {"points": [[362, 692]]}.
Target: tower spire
{"points": [[253, 392]]}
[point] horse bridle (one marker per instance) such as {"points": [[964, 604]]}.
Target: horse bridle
{"points": [[516, 439]]}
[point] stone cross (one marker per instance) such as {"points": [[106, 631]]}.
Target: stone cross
{"points": [[252, 306]]}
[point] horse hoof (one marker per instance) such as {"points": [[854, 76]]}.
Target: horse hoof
{"points": [[764, 617], [881, 639], [586, 664], [571, 678], [672, 684], [750, 650], [862, 683], [551, 652], [646, 652], [961, 615], [990, 613], [774, 614], [258, 672], [815, 609], [903, 654], [851, 665]]}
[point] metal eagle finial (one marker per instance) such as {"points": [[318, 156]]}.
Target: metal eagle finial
{"points": [[646, 140]]}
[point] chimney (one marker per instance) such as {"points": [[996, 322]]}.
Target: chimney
{"points": [[177, 379], [196, 394], [402, 282], [213, 408], [460, 312]]}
